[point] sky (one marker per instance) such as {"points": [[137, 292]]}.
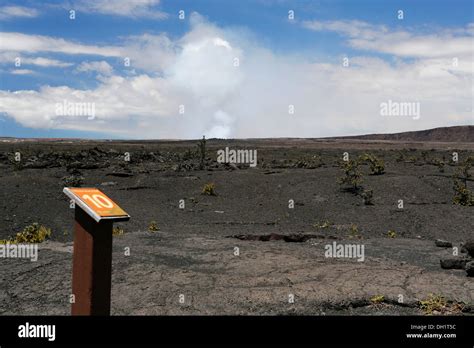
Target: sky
{"points": [[181, 69]]}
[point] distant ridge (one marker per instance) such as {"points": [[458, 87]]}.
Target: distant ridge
{"points": [[455, 134], [459, 134]]}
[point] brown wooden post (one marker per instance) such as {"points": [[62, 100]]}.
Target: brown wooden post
{"points": [[95, 214], [92, 265]]}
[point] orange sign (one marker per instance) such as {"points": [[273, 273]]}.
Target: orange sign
{"points": [[96, 203]]}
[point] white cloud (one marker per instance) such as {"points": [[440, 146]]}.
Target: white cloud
{"points": [[125, 8], [12, 58], [21, 72], [154, 53], [45, 62], [101, 67], [252, 99], [403, 43], [116, 101], [10, 12], [351, 28], [19, 42]]}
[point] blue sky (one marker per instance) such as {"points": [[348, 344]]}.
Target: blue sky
{"points": [[424, 58]]}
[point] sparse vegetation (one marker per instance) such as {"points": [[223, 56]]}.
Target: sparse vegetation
{"points": [[153, 227], [354, 231], [308, 162], [377, 166], [73, 181], [352, 179], [441, 166], [34, 233], [367, 196], [209, 190], [437, 304], [432, 303], [439, 163], [424, 155], [352, 176], [391, 234], [118, 231], [202, 152], [323, 225], [400, 156], [188, 155], [462, 194], [377, 299]]}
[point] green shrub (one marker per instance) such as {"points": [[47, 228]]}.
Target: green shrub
{"points": [[354, 231], [34, 233], [308, 162], [209, 190], [400, 157], [118, 231], [433, 303], [323, 225], [391, 234], [462, 194], [73, 181], [377, 166], [202, 152], [367, 196], [440, 164], [377, 299], [352, 176], [437, 304], [153, 227]]}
